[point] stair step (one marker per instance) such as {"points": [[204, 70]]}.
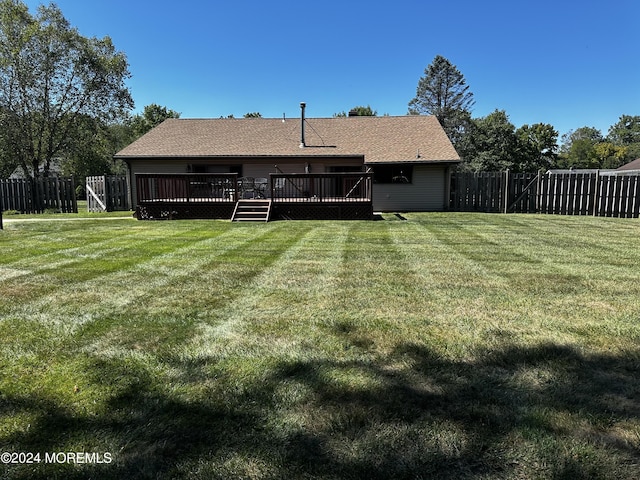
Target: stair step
{"points": [[251, 214], [252, 210]]}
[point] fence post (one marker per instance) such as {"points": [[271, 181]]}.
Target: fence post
{"points": [[596, 193], [506, 191], [74, 199], [1, 206], [538, 192]]}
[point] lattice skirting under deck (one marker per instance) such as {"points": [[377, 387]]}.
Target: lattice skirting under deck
{"points": [[336, 211], [180, 211], [279, 211]]}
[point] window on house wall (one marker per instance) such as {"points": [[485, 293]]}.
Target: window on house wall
{"points": [[206, 168], [393, 173]]}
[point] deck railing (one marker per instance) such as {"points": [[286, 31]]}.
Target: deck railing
{"points": [[186, 188], [225, 187], [321, 187]]}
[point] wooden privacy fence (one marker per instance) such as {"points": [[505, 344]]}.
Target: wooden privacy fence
{"points": [[598, 193], [107, 193], [28, 195]]}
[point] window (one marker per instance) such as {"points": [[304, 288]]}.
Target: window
{"points": [[393, 173]]}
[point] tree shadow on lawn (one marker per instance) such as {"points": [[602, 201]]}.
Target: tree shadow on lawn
{"points": [[535, 412]]}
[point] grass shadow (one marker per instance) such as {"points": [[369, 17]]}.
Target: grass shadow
{"points": [[538, 412]]}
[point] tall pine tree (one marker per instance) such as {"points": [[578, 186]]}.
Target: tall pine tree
{"points": [[443, 92]]}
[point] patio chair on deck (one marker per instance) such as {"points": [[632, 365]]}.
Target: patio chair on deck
{"points": [[260, 186], [246, 185], [278, 187]]}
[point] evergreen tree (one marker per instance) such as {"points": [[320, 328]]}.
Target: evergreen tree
{"points": [[443, 92]]}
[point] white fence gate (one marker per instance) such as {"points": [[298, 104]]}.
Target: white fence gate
{"points": [[107, 193]]}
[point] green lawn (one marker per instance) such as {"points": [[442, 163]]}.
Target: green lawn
{"points": [[445, 346]]}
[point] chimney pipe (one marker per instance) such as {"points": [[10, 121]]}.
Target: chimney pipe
{"points": [[302, 142]]}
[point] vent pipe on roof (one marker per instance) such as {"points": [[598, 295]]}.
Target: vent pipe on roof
{"points": [[302, 142]]}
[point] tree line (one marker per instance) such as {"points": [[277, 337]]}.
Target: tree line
{"points": [[64, 106], [494, 143]]}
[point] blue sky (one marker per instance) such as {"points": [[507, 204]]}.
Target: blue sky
{"points": [[570, 64]]}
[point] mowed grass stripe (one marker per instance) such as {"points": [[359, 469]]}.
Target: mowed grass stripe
{"points": [[526, 287], [466, 303], [510, 263], [375, 296], [99, 275], [278, 310], [142, 324], [104, 251], [121, 296], [193, 288], [599, 243], [39, 242]]}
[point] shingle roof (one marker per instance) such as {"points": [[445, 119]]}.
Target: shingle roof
{"points": [[634, 165], [379, 139]]}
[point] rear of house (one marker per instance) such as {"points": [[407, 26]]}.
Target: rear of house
{"points": [[409, 159]]}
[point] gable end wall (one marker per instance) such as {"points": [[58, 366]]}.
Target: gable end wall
{"points": [[426, 193]]}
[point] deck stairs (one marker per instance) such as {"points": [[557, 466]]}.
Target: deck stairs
{"points": [[252, 210]]}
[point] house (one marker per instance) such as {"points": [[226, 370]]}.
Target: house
{"points": [[634, 165], [55, 170], [392, 163]]}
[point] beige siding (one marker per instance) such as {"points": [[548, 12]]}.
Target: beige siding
{"points": [[426, 193], [142, 166], [263, 170]]}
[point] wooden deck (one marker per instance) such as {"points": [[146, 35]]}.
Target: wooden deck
{"points": [[293, 196]]}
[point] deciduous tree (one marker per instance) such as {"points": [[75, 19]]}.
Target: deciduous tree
{"points": [[538, 147], [359, 111], [152, 116], [491, 143], [610, 155], [51, 80], [578, 148], [626, 133]]}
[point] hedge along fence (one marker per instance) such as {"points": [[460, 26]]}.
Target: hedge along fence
{"points": [[598, 193], [107, 193], [28, 195]]}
